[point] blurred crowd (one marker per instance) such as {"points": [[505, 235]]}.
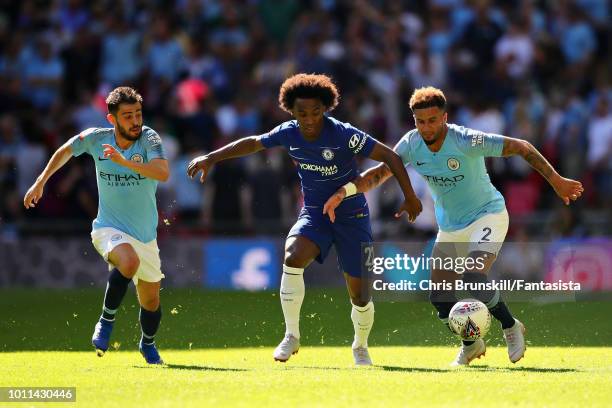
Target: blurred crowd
{"points": [[209, 71]]}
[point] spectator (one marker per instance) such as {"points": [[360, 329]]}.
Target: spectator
{"points": [[121, 56], [43, 74], [599, 155], [209, 70]]}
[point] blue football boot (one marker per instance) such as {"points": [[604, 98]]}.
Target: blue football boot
{"points": [[101, 336], [149, 352]]}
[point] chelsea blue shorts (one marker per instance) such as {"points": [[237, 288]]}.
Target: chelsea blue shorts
{"points": [[350, 230]]}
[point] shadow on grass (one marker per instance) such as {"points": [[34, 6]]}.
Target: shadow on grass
{"points": [[413, 369], [484, 368], [386, 368], [524, 369], [292, 367], [479, 368], [193, 367]]}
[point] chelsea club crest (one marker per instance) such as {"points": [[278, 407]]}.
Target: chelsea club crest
{"points": [[327, 154]]}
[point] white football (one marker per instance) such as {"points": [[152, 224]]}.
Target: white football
{"points": [[469, 319]]}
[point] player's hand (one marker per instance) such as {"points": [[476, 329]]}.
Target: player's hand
{"points": [[333, 202], [203, 163], [111, 153], [412, 207], [33, 195], [568, 189]]}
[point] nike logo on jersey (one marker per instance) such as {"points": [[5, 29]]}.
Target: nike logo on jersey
{"points": [[103, 158], [293, 148], [418, 163]]}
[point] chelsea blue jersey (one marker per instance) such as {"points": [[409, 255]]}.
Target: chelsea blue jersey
{"points": [[126, 199], [456, 174], [326, 164]]}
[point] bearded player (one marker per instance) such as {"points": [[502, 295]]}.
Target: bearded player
{"points": [[130, 161], [469, 209]]}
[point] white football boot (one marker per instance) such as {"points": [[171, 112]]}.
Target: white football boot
{"points": [[515, 339], [289, 346], [361, 356], [469, 353]]}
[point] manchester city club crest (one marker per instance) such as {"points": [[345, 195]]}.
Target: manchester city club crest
{"points": [[453, 164], [327, 154], [137, 157]]}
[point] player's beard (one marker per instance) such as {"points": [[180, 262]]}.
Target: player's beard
{"points": [[431, 141], [436, 137], [126, 134]]}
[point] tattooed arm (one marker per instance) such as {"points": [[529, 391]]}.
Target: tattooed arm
{"points": [[566, 189], [369, 179], [372, 178]]}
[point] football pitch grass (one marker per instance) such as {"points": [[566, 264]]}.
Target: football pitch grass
{"points": [[320, 376], [218, 346]]}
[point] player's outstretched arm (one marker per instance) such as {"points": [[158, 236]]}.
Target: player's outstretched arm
{"points": [[59, 158], [566, 189], [369, 179], [372, 178], [391, 165], [411, 205], [239, 148], [156, 169]]}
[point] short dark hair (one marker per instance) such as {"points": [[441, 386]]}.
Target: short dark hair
{"points": [[320, 87], [427, 97], [122, 94]]}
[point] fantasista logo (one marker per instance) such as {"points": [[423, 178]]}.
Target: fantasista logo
{"points": [[325, 170]]}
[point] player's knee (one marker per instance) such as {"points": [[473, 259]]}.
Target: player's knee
{"points": [[129, 265], [359, 301], [150, 303], [294, 260]]}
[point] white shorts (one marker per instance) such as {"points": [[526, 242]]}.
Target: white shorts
{"points": [[486, 234], [106, 239]]}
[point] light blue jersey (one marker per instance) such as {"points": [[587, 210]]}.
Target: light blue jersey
{"points": [[457, 176], [126, 199]]}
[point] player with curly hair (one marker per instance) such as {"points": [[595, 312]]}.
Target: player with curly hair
{"points": [[324, 151]]}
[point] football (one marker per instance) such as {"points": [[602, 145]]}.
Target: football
{"points": [[469, 319]]}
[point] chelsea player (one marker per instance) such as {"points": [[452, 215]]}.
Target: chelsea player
{"points": [[469, 209], [323, 150], [130, 161]]}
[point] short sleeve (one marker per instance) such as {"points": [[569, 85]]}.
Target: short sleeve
{"points": [[153, 145], [402, 148], [82, 142], [276, 136], [359, 142], [477, 143]]}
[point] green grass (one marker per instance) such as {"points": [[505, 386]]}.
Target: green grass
{"points": [[64, 319], [320, 376], [218, 348]]}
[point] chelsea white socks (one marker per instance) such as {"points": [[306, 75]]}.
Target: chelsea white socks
{"points": [[363, 320], [291, 295]]}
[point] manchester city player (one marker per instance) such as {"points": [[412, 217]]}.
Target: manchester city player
{"points": [[129, 161], [323, 150], [468, 208]]}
